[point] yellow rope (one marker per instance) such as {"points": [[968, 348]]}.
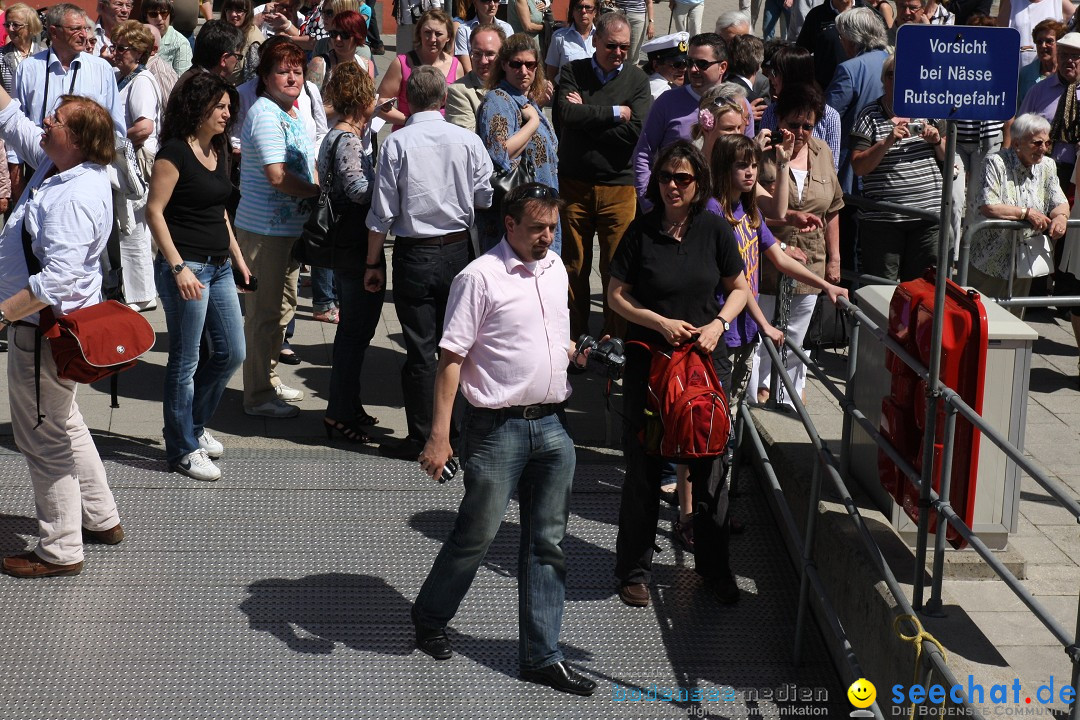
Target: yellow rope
{"points": [[917, 639]]}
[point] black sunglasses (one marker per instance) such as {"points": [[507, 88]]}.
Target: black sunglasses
{"points": [[799, 126], [625, 47], [678, 64], [535, 191], [703, 64], [518, 64], [340, 35], [682, 179]]}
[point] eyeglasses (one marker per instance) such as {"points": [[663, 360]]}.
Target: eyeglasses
{"points": [[799, 126], [157, 14], [487, 2], [121, 5], [340, 35], [231, 54], [586, 8], [55, 121], [74, 29], [1070, 59], [678, 64], [1040, 143], [703, 65], [122, 48], [14, 26], [478, 54], [518, 64], [681, 179], [625, 47]]}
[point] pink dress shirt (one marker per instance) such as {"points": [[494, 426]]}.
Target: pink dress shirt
{"points": [[510, 321]]}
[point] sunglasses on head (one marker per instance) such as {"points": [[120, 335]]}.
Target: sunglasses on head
{"points": [[535, 191], [625, 47], [681, 179], [518, 64], [701, 64]]}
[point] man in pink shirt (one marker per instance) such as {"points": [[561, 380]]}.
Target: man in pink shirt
{"points": [[506, 343]]}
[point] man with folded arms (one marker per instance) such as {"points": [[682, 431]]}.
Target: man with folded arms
{"points": [[514, 434], [431, 178]]}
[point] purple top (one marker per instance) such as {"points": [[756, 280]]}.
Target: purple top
{"points": [[752, 245]]}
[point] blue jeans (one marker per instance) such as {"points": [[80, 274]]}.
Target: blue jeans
{"points": [[193, 388], [773, 10], [322, 289], [500, 455], [360, 312]]}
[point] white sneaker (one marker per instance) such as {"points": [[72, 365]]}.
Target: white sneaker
{"points": [[288, 394], [273, 409], [213, 448], [144, 306], [197, 465]]}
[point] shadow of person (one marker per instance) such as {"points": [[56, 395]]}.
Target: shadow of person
{"points": [[314, 613], [583, 557]]}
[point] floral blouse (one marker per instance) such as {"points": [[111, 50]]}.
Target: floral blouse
{"points": [[1009, 182]]}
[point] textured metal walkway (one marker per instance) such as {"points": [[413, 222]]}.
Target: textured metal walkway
{"points": [[283, 591]]}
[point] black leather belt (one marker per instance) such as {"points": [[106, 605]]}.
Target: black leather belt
{"points": [[447, 239], [525, 412], [204, 259]]}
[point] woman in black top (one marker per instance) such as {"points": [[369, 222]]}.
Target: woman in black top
{"points": [[664, 279], [189, 189]]}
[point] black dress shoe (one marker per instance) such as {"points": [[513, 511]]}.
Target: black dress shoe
{"points": [[434, 642], [407, 449], [288, 358], [561, 677]]}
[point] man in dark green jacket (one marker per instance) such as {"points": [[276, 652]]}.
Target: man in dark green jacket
{"points": [[602, 104]]}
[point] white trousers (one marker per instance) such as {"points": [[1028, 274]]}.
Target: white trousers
{"points": [[137, 261], [802, 310], [688, 18], [70, 487]]}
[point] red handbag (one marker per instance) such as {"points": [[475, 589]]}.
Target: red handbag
{"points": [[95, 342]]}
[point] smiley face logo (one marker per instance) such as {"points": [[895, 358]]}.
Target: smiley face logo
{"points": [[862, 693]]}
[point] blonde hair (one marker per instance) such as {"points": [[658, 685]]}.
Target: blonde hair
{"points": [[28, 15]]}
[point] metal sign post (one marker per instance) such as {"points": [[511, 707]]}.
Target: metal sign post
{"points": [[949, 73]]}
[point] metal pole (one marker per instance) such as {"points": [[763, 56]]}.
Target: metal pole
{"points": [[965, 248], [934, 605], [849, 397], [807, 559], [1074, 658], [944, 244]]}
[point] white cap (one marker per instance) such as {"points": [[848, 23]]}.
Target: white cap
{"points": [[675, 45]]}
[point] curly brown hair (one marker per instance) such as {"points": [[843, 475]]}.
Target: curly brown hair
{"points": [[349, 88]]}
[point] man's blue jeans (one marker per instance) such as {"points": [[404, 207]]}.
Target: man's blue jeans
{"points": [[193, 388], [500, 455]]}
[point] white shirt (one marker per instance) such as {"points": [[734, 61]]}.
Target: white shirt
{"points": [[140, 100], [432, 176], [87, 75], [68, 215], [510, 321]]}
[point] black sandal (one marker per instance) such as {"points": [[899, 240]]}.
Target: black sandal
{"points": [[366, 420], [352, 434]]}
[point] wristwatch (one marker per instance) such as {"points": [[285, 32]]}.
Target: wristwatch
{"points": [[783, 247], [727, 325], [3, 320], [178, 268]]}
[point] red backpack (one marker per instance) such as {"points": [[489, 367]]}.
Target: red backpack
{"points": [[688, 407]]}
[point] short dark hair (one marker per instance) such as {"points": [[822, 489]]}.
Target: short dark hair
{"points": [[681, 151], [747, 54], [799, 99], [272, 55], [156, 6], [711, 40], [517, 202], [793, 64], [216, 38]]}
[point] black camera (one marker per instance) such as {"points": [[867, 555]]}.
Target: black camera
{"points": [[449, 470], [605, 357]]}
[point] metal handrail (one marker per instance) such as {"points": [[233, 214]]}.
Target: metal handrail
{"points": [[992, 224]]}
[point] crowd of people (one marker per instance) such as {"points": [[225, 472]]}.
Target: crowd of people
{"points": [[710, 167]]}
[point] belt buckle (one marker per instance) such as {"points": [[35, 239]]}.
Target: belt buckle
{"points": [[533, 412]]}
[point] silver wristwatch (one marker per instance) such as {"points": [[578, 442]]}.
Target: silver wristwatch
{"points": [[3, 320]]}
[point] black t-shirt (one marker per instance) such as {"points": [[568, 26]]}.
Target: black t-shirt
{"points": [[678, 280], [195, 213]]}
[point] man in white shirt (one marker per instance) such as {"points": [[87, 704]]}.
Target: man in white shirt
{"points": [[431, 178], [516, 388], [65, 69]]}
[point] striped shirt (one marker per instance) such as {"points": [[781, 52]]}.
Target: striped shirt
{"points": [[907, 175], [970, 132]]}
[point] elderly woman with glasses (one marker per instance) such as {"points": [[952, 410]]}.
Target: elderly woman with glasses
{"points": [[175, 48], [24, 32], [514, 128], [1020, 183]]}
